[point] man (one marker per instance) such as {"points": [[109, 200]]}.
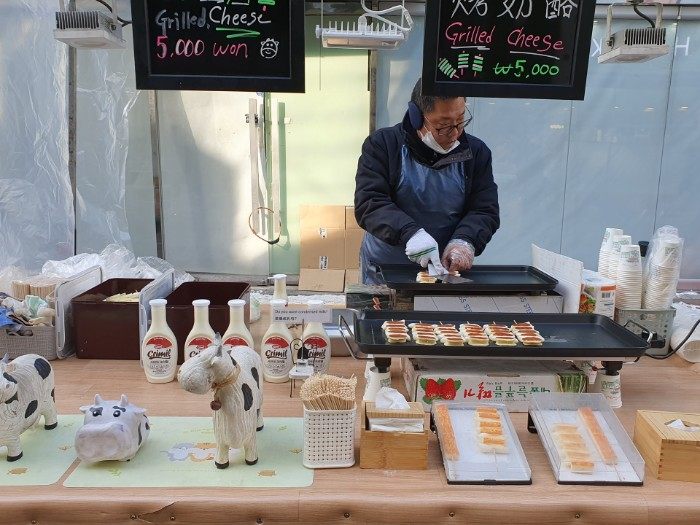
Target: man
{"points": [[424, 188]]}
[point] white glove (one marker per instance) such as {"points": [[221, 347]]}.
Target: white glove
{"points": [[458, 255], [423, 249]]}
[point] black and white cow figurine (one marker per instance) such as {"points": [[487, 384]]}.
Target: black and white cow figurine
{"points": [[234, 376], [112, 430], [26, 392]]}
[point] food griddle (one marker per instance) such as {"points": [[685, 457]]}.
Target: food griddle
{"points": [[567, 336], [481, 278]]}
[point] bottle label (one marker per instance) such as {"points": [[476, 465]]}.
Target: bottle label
{"points": [[197, 345], [277, 355], [158, 353], [610, 388], [235, 340], [317, 352]]}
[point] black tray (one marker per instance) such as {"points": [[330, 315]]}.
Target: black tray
{"points": [[484, 278], [567, 336]]}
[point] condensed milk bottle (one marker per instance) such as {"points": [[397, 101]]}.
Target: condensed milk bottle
{"points": [[202, 335], [275, 350], [159, 347], [237, 333]]}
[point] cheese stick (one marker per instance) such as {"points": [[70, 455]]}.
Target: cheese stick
{"points": [[420, 325], [495, 444], [446, 433], [569, 439], [559, 427], [569, 455], [581, 466], [596, 432], [487, 416], [492, 431]]}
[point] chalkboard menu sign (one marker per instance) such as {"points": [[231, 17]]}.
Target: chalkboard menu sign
{"points": [[245, 45], [507, 48]]}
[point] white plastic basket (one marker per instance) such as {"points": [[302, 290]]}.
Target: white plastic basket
{"points": [[329, 438]]}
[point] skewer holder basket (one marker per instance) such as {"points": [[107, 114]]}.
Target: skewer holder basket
{"points": [[329, 438]]}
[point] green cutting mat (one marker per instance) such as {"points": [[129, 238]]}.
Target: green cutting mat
{"points": [[47, 454], [179, 452]]}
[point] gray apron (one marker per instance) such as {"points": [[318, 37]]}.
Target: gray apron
{"points": [[434, 198]]}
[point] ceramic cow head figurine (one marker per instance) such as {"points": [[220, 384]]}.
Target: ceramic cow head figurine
{"points": [[112, 430], [26, 392], [234, 378]]}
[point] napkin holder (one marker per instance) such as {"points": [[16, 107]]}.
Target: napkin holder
{"points": [[670, 454], [393, 450]]}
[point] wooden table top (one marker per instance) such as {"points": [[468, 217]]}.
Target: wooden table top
{"points": [[356, 495]]}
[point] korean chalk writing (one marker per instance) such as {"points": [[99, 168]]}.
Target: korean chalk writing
{"points": [[507, 48]]}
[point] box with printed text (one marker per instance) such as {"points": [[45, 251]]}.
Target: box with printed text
{"points": [[503, 381], [322, 249]]}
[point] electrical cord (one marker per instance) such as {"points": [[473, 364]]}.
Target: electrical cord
{"points": [[254, 231], [123, 22], [405, 16], [674, 350], [642, 15]]}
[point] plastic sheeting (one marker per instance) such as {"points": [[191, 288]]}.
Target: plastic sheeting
{"points": [[36, 203], [686, 317], [105, 95], [115, 261]]}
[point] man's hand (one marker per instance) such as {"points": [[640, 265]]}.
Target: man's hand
{"points": [[458, 256], [423, 249]]}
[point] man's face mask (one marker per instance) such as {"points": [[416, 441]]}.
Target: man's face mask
{"points": [[429, 140]]}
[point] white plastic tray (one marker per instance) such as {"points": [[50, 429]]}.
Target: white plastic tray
{"points": [[548, 409], [475, 466]]}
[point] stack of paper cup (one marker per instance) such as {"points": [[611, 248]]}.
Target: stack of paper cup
{"points": [[628, 292], [616, 244], [663, 271], [605, 250]]}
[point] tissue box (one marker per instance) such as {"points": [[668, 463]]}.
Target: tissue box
{"points": [[393, 450], [414, 415], [669, 453]]}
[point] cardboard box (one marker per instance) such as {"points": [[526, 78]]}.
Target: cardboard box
{"points": [[352, 277], [597, 295], [505, 381], [322, 249], [314, 217], [353, 241], [321, 280], [350, 221], [552, 303]]}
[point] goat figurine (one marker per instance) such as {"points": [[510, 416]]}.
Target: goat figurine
{"points": [[234, 376]]}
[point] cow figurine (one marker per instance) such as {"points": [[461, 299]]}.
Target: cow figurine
{"points": [[234, 376], [26, 392], [112, 430]]}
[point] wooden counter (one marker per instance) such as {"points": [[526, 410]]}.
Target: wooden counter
{"points": [[355, 495]]}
